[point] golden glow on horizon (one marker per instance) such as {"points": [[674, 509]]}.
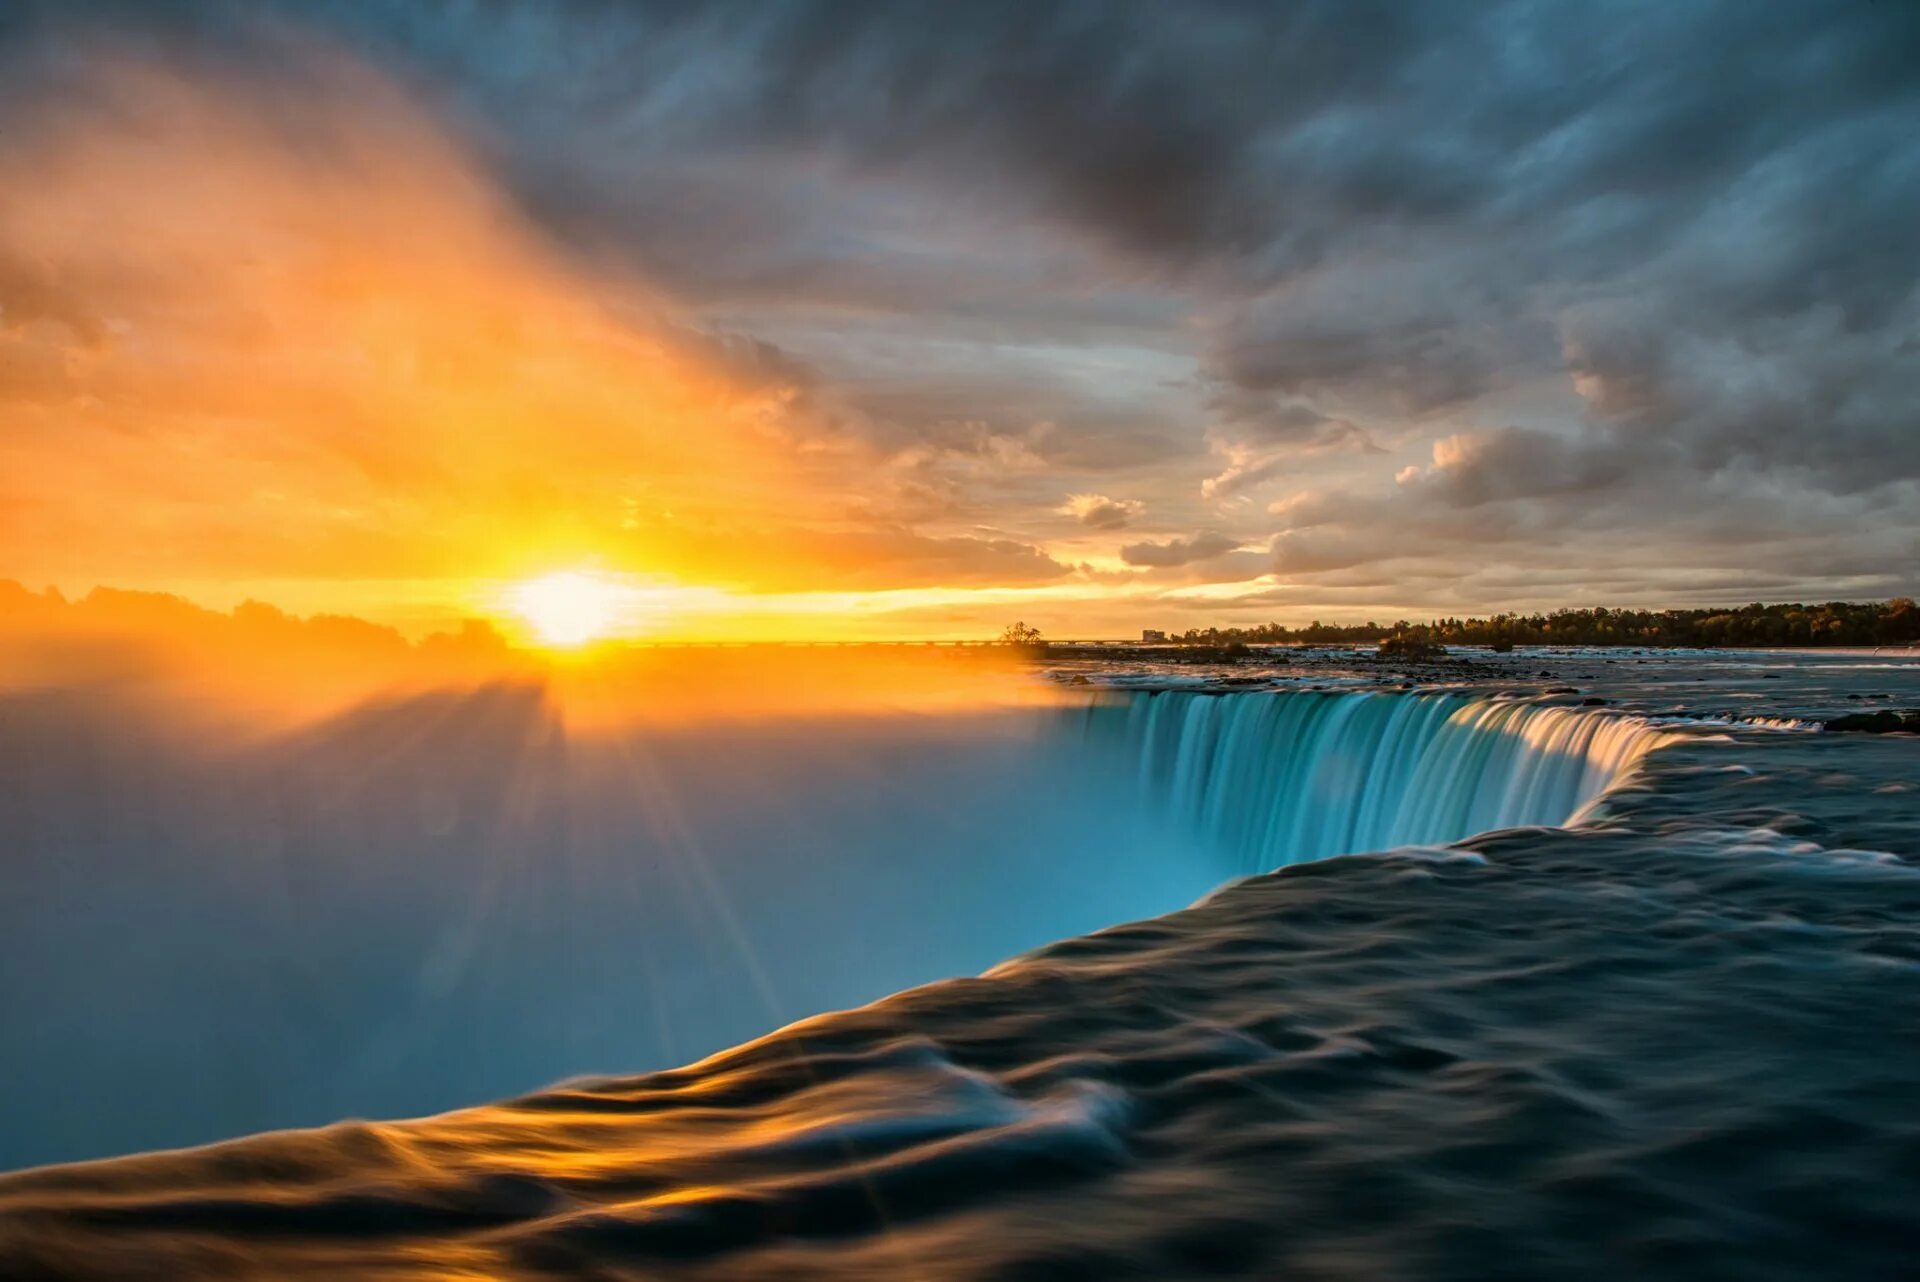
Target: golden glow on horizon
{"points": [[569, 608], [656, 608], [441, 408], [260, 669]]}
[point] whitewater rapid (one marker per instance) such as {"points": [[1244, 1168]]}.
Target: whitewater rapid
{"points": [[1288, 777]]}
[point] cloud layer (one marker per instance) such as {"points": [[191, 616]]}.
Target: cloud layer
{"points": [[1450, 310]]}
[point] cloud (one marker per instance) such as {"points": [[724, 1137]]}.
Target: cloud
{"points": [[1305, 552], [1099, 512], [1366, 358], [743, 553], [1246, 468], [1472, 469], [1304, 509], [247, 338], [1602, 269], [1203, 546]]}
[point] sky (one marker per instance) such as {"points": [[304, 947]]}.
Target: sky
{"points": [[900, 319]]}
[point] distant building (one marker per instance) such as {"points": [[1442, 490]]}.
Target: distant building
{"points": [[1152, 634]]}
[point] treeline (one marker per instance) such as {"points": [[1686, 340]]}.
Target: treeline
{"points": [[1844, 623]]}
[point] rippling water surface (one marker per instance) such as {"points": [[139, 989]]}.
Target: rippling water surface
{"points": [[1676, 1039]]}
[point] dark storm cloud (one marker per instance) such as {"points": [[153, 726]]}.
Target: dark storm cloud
{"points": [[1351, 221], [1136, 119], [1268, 136], [1418, 366], [1488, 467]]}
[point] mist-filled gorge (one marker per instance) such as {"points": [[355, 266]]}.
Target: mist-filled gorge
{"points": [[447, 898], [441, 898]]}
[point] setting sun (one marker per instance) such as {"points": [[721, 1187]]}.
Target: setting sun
{"points": [[571, 607]]}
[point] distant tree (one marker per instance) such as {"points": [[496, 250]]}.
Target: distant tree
{"points": [[1895, 622], [1901, 622], [1021, 635]]}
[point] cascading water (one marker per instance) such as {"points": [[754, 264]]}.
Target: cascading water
{"points": [[1278, 778]]}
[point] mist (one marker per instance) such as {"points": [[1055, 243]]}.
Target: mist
{"points": [[434, 899]]}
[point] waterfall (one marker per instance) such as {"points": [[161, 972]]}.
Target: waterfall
{"points": [[1286, 777]]}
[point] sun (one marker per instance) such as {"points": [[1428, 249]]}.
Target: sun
{"points": [[570, 608]]}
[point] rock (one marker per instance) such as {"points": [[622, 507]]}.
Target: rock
{"points": [[1593, 701], [1410, 647], [1883, 722]]}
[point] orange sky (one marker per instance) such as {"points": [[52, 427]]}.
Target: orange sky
{"points": [[307, 354], [334, 364]]}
